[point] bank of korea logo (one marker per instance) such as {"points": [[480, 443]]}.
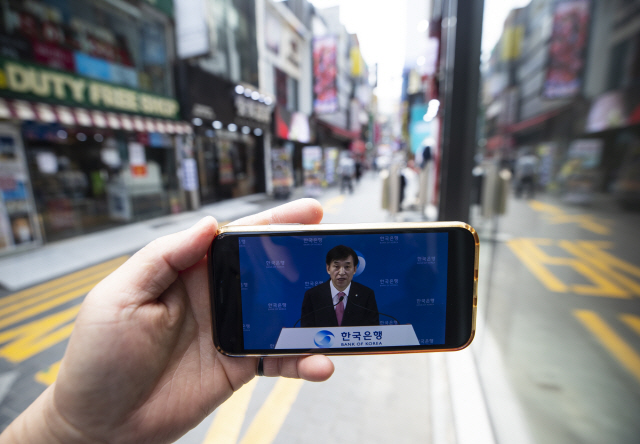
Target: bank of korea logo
{"points": [[323, 339], [361, 263]]}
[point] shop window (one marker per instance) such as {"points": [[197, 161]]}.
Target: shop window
{"points": [[90, 38], [286, 91]]}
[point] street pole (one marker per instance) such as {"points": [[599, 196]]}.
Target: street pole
{"points": [[460, 55]]}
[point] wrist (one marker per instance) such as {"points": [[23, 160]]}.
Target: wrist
{"points": [[42, 423]]}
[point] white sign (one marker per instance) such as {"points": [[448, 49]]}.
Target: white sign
{"points": [[347, 337]]}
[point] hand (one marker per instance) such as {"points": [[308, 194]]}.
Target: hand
{"points": [[141, 366]]}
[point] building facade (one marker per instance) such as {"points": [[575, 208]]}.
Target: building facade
{"points": [[88, 118]]}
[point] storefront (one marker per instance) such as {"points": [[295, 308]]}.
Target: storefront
{"points": [[88, 123], [293, 166], [230, 123], [83, 170]]}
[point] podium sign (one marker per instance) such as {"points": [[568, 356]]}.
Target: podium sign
{"points": [[347, 337]]}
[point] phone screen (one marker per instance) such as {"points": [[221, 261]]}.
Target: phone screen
{"points": [[395, 296]]}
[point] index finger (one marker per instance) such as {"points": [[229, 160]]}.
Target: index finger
{"points": [[302, 211]]}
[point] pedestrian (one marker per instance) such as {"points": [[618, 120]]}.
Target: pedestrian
{"points": [[140, 366], [346, 169], [526, 170]]}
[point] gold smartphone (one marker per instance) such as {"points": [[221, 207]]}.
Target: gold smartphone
{"points": [[344, 288]]}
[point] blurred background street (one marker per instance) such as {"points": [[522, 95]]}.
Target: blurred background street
{"points": [[125, 120]]}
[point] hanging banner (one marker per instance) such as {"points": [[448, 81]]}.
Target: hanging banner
{"points": [[567, 49], [325, 73]]}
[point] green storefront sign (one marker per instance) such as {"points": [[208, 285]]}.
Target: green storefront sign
{"points": [[165, 6], [32, 82]]}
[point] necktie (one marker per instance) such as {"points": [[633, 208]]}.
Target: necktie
{"points": [[340, 308]]}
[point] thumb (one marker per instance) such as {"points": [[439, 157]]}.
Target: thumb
{"points": [[149, 272]]}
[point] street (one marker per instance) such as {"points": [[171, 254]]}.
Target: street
{"points": [[558, 306], [563, 307]]}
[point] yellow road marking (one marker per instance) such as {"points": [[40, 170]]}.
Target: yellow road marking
{"points": [[606, 264], [585, 263], [47, 305], [632, 321], [329, 205], [48, 376], [30, 339], [48, 286], [611, 341], [556, 215], [227, 423], [522, 249], [91, 279], [265, 426]]}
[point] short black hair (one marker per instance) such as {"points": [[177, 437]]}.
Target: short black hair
{"points": [[341, 252]]}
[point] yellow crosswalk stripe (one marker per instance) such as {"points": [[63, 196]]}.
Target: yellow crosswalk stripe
{"points": [[227, 423], [27, 340], [611, 341], [50, 285], [39, 297], [268, 421], [55, 293]]}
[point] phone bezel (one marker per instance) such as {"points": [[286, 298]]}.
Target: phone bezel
{"points": [[462, 279]]}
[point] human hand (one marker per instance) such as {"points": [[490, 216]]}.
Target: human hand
{"points": [[141, 365]]}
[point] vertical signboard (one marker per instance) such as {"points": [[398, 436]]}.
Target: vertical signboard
{"points": [[567, 49], [325, 73]]}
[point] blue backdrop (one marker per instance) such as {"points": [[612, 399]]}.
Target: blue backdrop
{"points": [[407, 272]]}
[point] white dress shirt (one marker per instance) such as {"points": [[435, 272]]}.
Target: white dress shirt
{"points": [[335, 291]]}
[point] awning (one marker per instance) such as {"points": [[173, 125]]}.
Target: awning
{"points": [[534, 121], [66, 115], [346, 134]]}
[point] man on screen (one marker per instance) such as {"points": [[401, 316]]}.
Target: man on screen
{"points": [[340, 301]]}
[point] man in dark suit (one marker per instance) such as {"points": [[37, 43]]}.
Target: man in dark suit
{"points": [[340, 301]]}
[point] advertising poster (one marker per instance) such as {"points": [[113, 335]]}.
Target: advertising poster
{"points": [[312, 166], [325, 72], [330, 162], [282, 179], [579, 176], [17, 210], [567, 49], [137, 159]]}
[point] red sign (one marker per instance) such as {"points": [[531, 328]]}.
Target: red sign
{"points": [[53, 56]]}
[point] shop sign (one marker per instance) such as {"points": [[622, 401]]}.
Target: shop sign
{"points": [[31, 81], [292, 126], [251, 109], [165, 6]]}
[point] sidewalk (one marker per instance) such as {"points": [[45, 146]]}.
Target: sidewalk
{"points": [[58, 258]]}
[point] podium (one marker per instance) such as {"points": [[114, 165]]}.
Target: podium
{"points": [[347, 337]]}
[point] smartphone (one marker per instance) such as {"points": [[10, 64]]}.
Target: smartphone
{"points": [[344, 288]]}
